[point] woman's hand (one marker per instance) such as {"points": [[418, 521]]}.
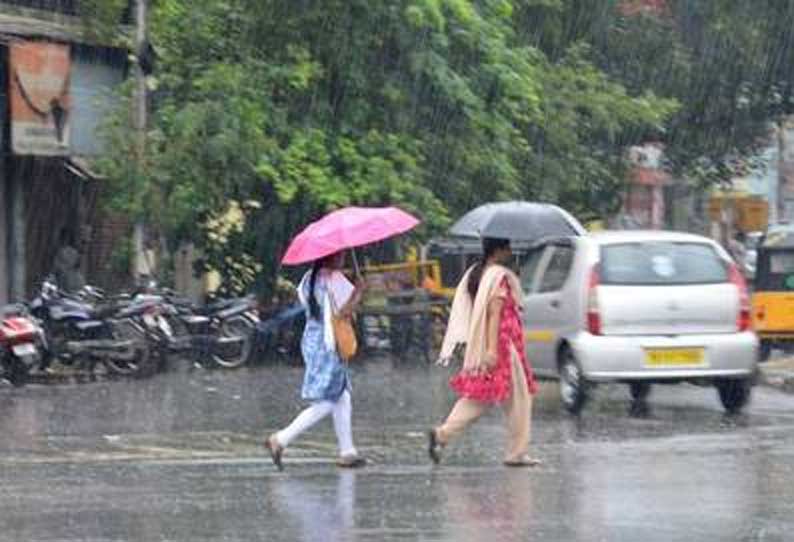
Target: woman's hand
{"points": [[361, 288], [359, 291], [488, 364], [491, 358]]}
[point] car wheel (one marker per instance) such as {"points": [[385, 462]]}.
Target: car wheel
{"points": [[639, 399], [765, 350], [640, 390], [734, 393], [574, 387], [14, 371]]}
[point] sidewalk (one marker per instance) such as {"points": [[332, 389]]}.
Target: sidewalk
{"points": [[778, 373]]}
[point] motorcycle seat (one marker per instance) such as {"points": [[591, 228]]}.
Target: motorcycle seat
{"points": [[217, 306], [89, 324]]}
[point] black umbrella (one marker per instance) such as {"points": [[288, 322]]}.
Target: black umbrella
{"points": [[518, 221]]}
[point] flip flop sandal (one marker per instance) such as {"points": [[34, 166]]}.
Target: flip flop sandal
{"points": [[275, 452], [351, 462], [434, 447], [523, 462]]}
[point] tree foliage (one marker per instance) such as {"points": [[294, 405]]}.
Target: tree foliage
{"points": [[726, 63], [432, 105], [103, 19]]}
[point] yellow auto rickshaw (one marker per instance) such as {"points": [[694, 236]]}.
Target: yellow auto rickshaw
{"points": [[406, 308], [773, 296]]}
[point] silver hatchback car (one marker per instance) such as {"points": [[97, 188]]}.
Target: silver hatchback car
{"points": [[638, 307]]}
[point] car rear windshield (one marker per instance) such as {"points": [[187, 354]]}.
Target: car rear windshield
{"points": [[661, 263]]}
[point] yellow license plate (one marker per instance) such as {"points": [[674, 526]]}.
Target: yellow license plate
{"points": [[675, 357]]}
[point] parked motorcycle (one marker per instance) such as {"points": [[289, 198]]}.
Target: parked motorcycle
{"points": [[79, 334], [156, 318], [19, 344], [221, 333]]}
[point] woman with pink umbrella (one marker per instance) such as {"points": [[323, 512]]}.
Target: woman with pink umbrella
{"points": [[325, 293]]}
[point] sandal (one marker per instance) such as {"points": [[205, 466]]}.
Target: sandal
{"points": [[525, 461], [351, 462], [276, 450], [434, 447]]}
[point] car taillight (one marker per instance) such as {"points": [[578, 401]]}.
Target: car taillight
{"points": [[761, 313], [593, 314], [743, 319]]}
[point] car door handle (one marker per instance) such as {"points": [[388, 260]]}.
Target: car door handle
{"points": [[555, 303]]}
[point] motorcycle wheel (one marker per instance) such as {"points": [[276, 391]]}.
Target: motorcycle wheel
{"points": [[142, 364], [13, 371], [238, 354]]}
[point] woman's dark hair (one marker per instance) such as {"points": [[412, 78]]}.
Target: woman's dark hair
{"points": [[489, 246], [314, 307]]}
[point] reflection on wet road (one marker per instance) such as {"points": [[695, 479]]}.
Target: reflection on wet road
{"points": [[179, 457]]}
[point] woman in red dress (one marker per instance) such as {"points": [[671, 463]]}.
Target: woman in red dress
{"points": [[486, 317]]}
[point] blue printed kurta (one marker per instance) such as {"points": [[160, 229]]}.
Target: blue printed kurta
{"points": [[326, 376]]}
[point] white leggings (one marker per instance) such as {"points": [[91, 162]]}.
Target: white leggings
{"points": [[341, 410]]}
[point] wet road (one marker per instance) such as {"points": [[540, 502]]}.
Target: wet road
{"points": [[178, 457]]}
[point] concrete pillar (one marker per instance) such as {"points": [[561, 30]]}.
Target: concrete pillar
{"points": [[185, 280], [785, 192], [4, 229], [17, 250], [140, 269], [5, 194]]}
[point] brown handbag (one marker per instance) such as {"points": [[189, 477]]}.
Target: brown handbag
{"points": [[344, 334]]}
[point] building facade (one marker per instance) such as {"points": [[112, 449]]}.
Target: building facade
{"points": [[644, 204], [57, 85]]}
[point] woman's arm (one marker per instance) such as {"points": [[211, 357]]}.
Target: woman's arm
{"points": [[354, 301]]}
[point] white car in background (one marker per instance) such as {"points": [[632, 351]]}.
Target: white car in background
{"points": [[641, 308]]}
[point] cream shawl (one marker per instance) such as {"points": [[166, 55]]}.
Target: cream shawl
{"points": [[467, 321]]}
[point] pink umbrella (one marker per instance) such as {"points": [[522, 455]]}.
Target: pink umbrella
{"points": [[347, 228]]}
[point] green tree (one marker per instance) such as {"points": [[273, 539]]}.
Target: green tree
{"points": [[726, 63], [433, 105]]}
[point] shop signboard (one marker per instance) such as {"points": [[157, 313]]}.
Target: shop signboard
{"points": [[39, 98]]}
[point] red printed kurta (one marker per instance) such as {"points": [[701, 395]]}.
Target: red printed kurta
{"points": [[496, 385]]}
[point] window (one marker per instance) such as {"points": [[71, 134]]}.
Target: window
{"points": [[529, 266], [781, 262], [557, 270], [661, 263]]}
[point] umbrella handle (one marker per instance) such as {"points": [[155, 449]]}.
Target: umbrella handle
{"points": [[355, 263]]}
